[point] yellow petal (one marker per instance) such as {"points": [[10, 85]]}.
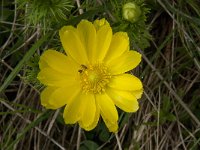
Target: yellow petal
{"points": [[112, 126], [57, 61], [74, 110], [51, 77], [119, 45], [138, 93], [42, 63], [87, 34], [98, 23], [94, 123], [54, 98], [125, 82], [58, 100], [72, 44], [45, 96], [108, 111], [64, 95], [88, 114], [124, 63], [104, 37], [123, 99]]}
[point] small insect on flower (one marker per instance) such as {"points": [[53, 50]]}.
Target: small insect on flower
{"points": [[92, 79], [83, 67]]}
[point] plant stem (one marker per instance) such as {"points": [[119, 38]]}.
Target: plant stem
{"points": [[118, 141], [79, 138]]}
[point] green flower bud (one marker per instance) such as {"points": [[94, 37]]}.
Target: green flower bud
{"points": [[131, 11]]}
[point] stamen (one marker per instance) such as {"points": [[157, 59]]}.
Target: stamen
{"points": [[94, 78]]}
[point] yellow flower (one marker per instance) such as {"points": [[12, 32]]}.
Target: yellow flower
{"points": [[91, 80]]}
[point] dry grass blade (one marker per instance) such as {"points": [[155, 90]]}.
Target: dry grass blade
{"points": [[28, 121], [171, 90]]}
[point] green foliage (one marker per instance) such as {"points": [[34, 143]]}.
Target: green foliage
{"points": [[124, 117], [104, 135], [32, 71], [88, 145], [164, 115], [45, 12], [138, 30], [19, 66], [165, 111], [8, 139]]}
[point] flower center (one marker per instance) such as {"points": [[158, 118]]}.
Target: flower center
{"points": [[94, 78]]}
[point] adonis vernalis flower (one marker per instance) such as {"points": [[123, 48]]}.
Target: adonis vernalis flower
{"points": [[91, 80]]}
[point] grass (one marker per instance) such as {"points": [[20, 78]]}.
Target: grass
{"points": [[169, 114]]}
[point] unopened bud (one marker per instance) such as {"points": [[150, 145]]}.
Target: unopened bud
{"points": [[131, 11]]}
